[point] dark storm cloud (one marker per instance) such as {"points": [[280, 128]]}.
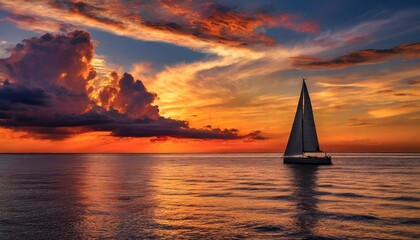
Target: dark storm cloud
{"points": [[359, 57], [45, 95], [23, 95]]}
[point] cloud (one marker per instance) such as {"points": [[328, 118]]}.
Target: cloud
{"points": [[210, 21], [399, 109], [403, 94], [38, 24], [57, 64], [355, 122], [20, 94], [368, 56], [48, 94], [202, 25], [133, 98], [411, 80]]}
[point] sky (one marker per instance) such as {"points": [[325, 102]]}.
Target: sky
{"points": [[207, 76]]}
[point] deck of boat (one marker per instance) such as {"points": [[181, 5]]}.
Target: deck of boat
{"points": [[308, 160]]}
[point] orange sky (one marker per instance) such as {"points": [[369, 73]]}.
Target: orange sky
{"points": [[363, 78]]}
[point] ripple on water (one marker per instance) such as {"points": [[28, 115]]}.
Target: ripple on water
{"points": [[405, 199], [225, 194], [268, 228], [257, 183], [349, 217], [350, 195], [230, 197]]}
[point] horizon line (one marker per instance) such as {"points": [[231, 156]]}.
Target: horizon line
{"points": [[176, 152]]}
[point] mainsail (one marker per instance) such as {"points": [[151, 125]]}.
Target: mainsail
{"points": [[303, 136]]}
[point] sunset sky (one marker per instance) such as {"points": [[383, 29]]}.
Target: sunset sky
{"points": [[207, 76]]}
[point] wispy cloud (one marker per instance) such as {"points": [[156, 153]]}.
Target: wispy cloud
{"points": [[395, 110], [369, 56], [355, 122], [205, 26], [38, 24]]}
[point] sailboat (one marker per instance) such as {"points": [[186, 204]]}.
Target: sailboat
{"points": [[303, 146]]}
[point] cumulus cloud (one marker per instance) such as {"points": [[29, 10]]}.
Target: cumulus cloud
{"points": [[57, 64], [368, 56], [133, 98], [48, 94]]}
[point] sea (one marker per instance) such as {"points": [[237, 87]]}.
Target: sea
{"points": [[208, 196]]}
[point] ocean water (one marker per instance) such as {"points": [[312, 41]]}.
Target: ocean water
{"points": [[208, 196]]}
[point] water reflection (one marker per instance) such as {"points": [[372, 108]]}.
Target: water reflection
{"points": [[77, 197], [304, 184], [119, 197], [37, 199], [129, 196]]}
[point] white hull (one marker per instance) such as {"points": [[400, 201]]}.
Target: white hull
{"points": [[325, 160]]}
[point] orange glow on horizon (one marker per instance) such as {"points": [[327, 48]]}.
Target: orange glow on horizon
{"points": [[360, 141], [363, 99]]}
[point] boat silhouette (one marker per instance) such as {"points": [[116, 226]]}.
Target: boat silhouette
{"points": [[303, 146]]}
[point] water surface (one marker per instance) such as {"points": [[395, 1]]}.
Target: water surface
{"points": [[190, 196]]}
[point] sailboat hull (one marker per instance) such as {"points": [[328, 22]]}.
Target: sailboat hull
{"points": [[308, 160]]}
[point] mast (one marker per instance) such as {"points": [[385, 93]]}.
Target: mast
{"points": [[303, 111]]}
